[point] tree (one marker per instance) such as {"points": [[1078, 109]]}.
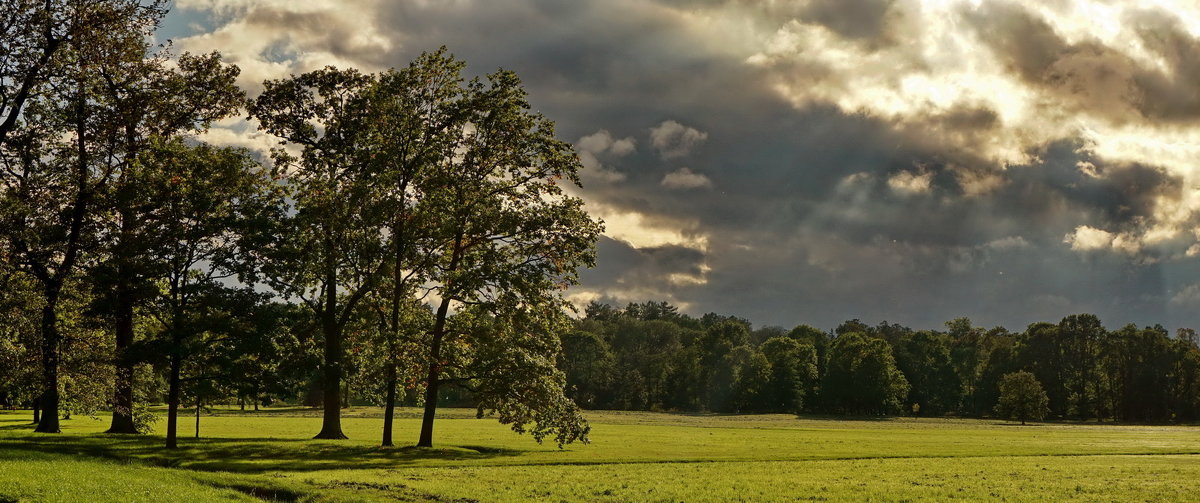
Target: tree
{"points": [[588, 363], [1044, 351], [417, 120], [509, 367], [1001, 359], [53, 147], [208, 200], [925, 359], [751, 380], [793, 373], [19, 383], [507, 241], [719, 340], [862, 376], [1082, 335], [330, 251], [151, 102], [1022, 397]]}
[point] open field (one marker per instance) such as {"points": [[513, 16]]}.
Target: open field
{"points": [[633, 457]]}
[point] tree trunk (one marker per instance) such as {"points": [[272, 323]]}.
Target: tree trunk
{"points": [[197, 415], [173, 402], [433, 379], [394, 327], [331, 425], [345, 395], [37, 410], [389, 408], [50, 342], [431, 393], [242, 402], [122, 413]]}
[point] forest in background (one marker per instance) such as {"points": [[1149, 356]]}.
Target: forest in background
{"points": [[649, 356]]}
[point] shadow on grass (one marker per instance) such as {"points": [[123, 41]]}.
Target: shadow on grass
{"points": [[242, 455], [17, 426]]}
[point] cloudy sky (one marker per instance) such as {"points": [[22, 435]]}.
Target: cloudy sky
{"points": [[811, 161]]}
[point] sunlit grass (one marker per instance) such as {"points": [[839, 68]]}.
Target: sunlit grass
{"points": [[633, 456]]}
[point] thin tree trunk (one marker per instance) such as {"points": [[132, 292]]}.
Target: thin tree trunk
{"points": [[432, 381], [37, 410], [394, 329], [50, 342], [173, 402], [389, 408], [197, 415]]}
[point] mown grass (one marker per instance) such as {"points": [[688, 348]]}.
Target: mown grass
{"points": [[633, 457]]}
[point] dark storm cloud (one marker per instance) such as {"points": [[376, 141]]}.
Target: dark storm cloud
{"points": [[643, 270], [816, 214], [856, 19], [788, 240]]}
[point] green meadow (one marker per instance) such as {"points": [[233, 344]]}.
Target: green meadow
{"points": [[633, 456]]}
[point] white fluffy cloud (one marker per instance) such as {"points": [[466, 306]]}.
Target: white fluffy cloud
{"points": [[673, 139], [602, 141], [907, 182], [1087, 238], [270, 39], [684, 178], [592, 146]]}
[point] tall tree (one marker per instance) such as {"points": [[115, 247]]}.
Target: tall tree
{"points": [[1082, 335], [508, 240], [417, 120], [152, 100], [19, 383], [793, 373], [54, 148], [925, 359], [331, 251]]}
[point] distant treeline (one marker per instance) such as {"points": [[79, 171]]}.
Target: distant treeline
{"points": [[651, 357]]}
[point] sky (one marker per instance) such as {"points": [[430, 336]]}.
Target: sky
{"points": [[813, 161]]}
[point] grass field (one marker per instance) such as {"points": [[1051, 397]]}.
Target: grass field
{"points": [[633, 457]]}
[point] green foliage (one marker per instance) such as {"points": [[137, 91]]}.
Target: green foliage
{"points": [[863, 378], [615, 359], [793, 374], [925, 359], [1021, 397], [144, 418]]}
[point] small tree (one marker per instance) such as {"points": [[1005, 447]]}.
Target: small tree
{"points": [[1022, 397]]}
